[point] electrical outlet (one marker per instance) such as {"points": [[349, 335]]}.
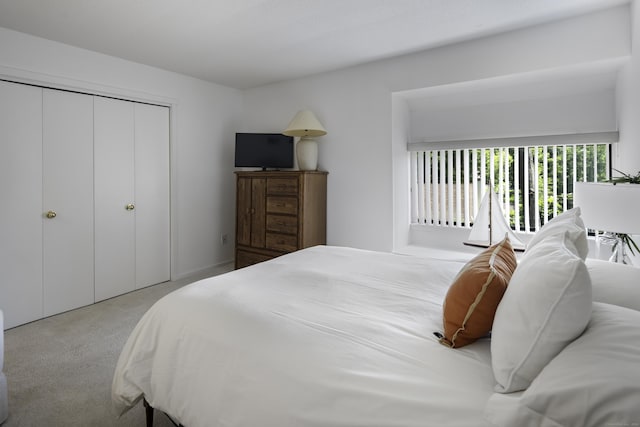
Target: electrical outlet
{"points": [[223, 239]]}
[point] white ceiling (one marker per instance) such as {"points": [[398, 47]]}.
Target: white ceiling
{"points": [[248, 43]]}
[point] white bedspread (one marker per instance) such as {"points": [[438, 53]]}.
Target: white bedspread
{"points": [[326, 336]]}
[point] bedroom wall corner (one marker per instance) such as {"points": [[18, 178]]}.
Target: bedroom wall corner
{"points": [[355, 109]]}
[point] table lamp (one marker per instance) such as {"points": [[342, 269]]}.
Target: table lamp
{"points": [[306, 126], [611, 208]]}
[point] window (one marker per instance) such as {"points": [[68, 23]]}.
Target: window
{"points": [[533, 183]]}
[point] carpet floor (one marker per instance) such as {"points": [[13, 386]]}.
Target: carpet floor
{"points": [[59, 369]]}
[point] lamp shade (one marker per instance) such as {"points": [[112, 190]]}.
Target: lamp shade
{"points": [[305, 123], [609, 207]]}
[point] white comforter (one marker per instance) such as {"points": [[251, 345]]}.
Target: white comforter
{"points": [[326, 336]]}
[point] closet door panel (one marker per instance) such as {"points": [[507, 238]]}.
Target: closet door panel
{"points": [[21, 196], [114, 193], [152, 194], [68, 191]]}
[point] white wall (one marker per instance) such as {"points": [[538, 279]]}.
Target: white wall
{"points": [[628, 94], [363, 152], [204, 119], [400, 125], [627, 154], [348, 104]]}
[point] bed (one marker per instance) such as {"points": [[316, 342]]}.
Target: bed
{"points": [[335, 336]]}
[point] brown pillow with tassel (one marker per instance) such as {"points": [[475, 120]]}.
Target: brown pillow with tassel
{"points": [[474, 295]]}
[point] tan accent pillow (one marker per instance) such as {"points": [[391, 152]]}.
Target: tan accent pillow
{"points": [[474, 295]]}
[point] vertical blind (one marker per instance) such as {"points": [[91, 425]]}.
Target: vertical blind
{"points": [[533, 183]]}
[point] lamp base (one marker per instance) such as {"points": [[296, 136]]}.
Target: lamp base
{"points": [[307, 154], [619, 251]]}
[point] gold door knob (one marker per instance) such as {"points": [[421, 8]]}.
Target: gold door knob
{"points": [[130, 207], [51, 214]]}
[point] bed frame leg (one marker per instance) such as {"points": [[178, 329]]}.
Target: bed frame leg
{"points": [[148, 410]]}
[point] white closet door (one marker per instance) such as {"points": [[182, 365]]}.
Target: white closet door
{"points": [[21, 198], [68, 191], [152, 194], [114, 197]]}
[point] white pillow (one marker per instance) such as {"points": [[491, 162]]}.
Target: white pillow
{"points": [[568, 221], [615, 283], [546, 306], [593, 382]]}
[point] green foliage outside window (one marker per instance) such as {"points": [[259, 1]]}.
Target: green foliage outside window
{"points": [[582, 163], [564, 157]]}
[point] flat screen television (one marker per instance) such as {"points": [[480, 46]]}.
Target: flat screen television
{"points": [[264, 150]]}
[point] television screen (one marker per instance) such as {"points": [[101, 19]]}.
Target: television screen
{"points": [[264, 150]]}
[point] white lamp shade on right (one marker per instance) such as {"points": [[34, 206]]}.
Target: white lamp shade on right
{"points": [[609, 207]]}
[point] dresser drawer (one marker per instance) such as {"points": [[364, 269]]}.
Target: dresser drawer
{"points": [[282, 224], [282, 186], [283, 205], [282, 242]]}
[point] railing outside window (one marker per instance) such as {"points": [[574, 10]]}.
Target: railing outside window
{"points": [[533, 184]]}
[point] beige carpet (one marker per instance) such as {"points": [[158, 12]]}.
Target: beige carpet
{"points": [[59, 369]]}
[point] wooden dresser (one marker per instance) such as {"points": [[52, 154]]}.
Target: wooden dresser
{"points": [[279, 212]]}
